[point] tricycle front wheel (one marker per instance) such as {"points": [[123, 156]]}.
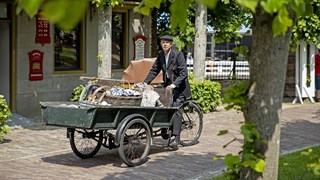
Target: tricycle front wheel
{"points": [[85, 143], [135, 142], [192, 121]]}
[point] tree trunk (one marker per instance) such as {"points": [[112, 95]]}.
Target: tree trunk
{"points": [[200, 42], [268, 64], [154, 43], [104, 42]]}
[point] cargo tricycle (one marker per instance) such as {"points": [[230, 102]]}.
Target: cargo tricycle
{"points": [[129, 128]]}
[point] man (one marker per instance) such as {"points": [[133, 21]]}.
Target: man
{"points": [[175, 77]]}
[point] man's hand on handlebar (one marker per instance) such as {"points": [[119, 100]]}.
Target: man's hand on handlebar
{"points": [[170, 87]]}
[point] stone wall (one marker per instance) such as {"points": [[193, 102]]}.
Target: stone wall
{"points": [[54, 86], [59, 86]]}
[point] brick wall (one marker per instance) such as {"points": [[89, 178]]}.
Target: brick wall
{"points": [[289, 88]]}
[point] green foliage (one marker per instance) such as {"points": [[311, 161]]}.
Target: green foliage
{"points": [[251, 158], [252, 4], [30, 6], [273, 6], [178, 9], [230, 15], [145, 6], [278, 9], [232, 162], [236, 13], [226, 20], [303, 164], [282, 22], [182, 37], [242, 51], [307, 28], [206, 93], [101, 3], [235, 95], [300, 7], [308, 79], [5, 113], [66, 14], [76, 93]]}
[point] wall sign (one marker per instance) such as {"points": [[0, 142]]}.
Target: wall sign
{"points": [[35, 65], [42, 30], [139, 46]]}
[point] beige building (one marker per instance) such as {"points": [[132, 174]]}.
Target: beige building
{"points": [[26, 79]]}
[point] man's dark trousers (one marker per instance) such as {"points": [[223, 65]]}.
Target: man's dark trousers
{"points": [[178, 99]]}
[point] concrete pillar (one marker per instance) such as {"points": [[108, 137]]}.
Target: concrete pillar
{"points": [[104, 42]]}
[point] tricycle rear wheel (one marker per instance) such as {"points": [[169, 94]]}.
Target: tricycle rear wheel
{"points": [[192, 121], [85, 143], [135, 142]]}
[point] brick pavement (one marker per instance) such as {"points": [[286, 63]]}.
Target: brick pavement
{"points": [[43, 152]]}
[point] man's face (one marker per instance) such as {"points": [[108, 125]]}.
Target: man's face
{"points": [[166, 45]]}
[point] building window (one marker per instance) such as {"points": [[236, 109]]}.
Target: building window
{"points": [[5, 11], [119, 37], [68, 48]]}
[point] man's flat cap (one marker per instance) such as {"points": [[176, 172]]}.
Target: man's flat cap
{"points": [[167, 37]]}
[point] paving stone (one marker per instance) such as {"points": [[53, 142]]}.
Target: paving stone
{"points": [[41, 152]]}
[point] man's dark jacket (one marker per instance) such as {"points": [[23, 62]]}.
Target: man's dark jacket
{"points": [[174, 73]]}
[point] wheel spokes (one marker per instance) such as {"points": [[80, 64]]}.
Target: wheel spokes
{"points": [[83, 141], [136, 142], [190, 123]]}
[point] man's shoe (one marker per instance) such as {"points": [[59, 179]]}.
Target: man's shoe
{"points": [[175, 142]]}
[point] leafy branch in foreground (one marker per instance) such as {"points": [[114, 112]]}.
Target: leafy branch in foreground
{"points": [[251, 158], [235, 96]]}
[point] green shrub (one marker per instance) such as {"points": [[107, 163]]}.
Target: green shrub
{"points": [[76, 93], [206, 93], [5, 113]]}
